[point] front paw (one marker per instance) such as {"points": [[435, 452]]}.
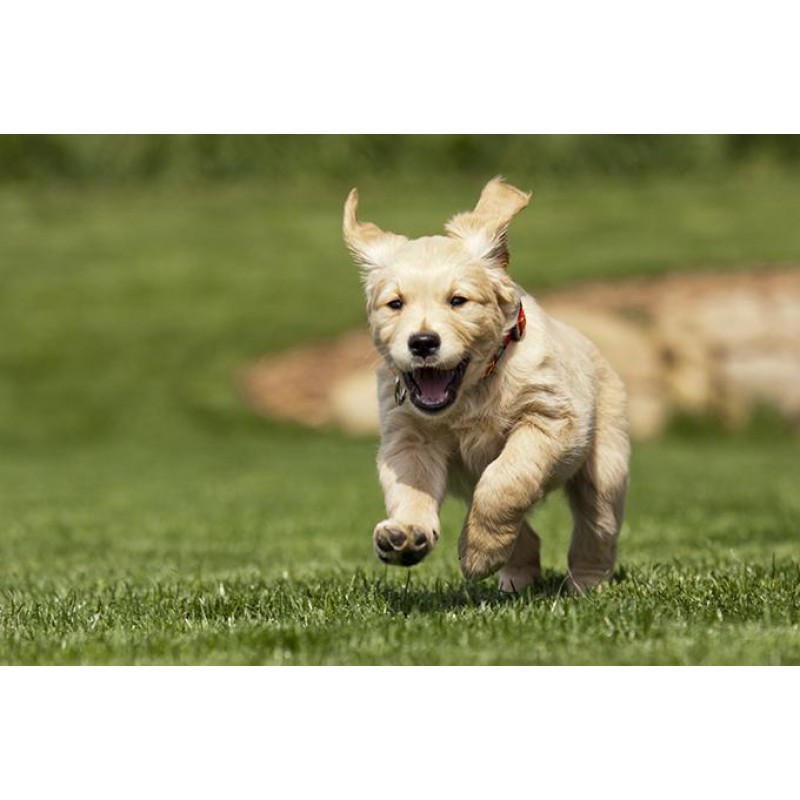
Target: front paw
{"points": [[477, 565], [482, 552], [403, 545]]}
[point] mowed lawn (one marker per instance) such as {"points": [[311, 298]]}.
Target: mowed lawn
{"points": [[145, 517]]}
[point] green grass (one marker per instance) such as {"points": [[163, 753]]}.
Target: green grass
{"points": [[114, 159], [256, 549], [145, 517], [122, 307]]}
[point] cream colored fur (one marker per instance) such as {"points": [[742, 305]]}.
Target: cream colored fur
{"points": [[551, 415]]}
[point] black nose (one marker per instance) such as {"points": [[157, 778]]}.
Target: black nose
{"points": [[424, 344]]}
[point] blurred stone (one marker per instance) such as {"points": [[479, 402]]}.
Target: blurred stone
{"points": [[301, 384], [732, 344], [705, 343], [354, 402]]}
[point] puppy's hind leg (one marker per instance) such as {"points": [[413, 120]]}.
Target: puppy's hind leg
{"points": [[597, 501], [524, 567]]}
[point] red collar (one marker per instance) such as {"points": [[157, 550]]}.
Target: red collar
{"points": [[514, 335]]}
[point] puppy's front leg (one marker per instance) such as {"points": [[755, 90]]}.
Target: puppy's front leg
{"points": [[413, 474], [509, 486]]}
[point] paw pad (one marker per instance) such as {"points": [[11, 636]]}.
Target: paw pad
{"points": [[404, 545]]}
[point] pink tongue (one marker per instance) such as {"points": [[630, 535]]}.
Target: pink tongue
{"points": [[432, 384]]}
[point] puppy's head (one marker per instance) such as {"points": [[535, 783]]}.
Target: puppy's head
{"points": [[439, 306]]}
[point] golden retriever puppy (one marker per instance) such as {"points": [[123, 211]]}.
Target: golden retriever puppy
{"points": [[484, 395]]}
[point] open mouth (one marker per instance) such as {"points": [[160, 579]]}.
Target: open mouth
{"points": [[432, 389]]}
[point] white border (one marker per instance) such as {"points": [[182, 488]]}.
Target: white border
{"points": [[244, 66], [398, 732]]}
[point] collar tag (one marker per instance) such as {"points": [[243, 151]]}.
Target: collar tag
{"points": [[399, 391]]}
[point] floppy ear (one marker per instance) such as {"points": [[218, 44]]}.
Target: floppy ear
{"points": [[369, 245], [483, 230]]}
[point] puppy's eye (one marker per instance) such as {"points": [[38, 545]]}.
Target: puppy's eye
{"points": [[457, 300], [395, 304]]}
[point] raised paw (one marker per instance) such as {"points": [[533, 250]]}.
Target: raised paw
{"points": [[403, 545], [480, 553], [477, 565]]}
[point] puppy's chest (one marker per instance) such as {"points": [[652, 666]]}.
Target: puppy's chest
{"points": [[479, 444]]}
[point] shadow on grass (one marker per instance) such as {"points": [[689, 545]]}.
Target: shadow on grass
{"points": [[454, 595]]}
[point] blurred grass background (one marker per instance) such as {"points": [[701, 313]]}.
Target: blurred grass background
{"points": [[138, 274], [113, 159]]}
